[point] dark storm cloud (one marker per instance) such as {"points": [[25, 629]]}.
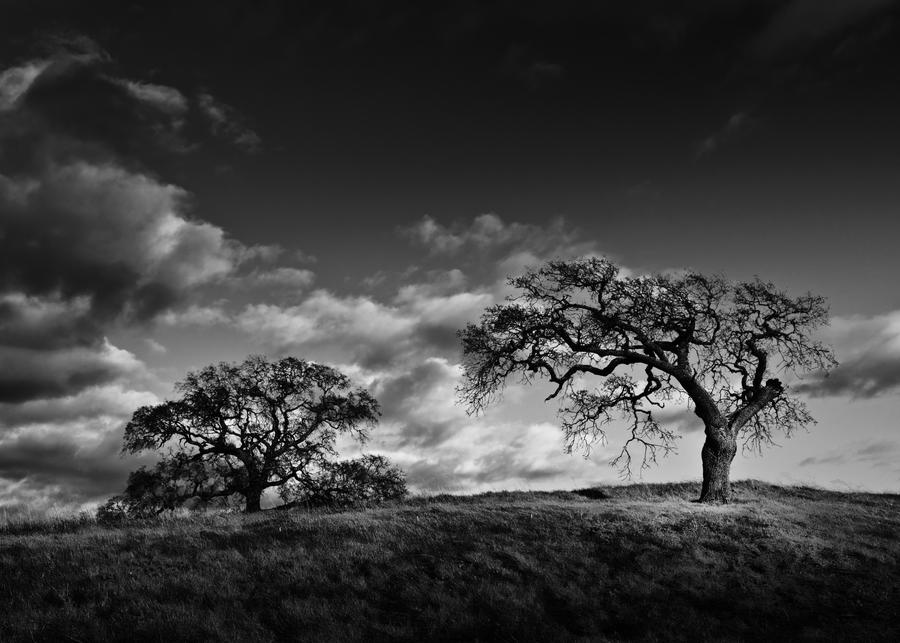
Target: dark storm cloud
{"points": [[50, 468], [868, 349], [106, 233], [75, 102], [96, 405], [75, 98], [30, 374], [46, 322], [89, 237], [864, 376]]}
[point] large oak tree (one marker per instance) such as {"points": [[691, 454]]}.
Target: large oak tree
{"points": [[617, 345], [238, 429]]}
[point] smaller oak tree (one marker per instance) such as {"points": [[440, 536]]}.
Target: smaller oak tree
{"points": [[646, 341], [239, 429], [364, 480]]}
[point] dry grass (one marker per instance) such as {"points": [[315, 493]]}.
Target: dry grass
{"points": [[624, 563]]}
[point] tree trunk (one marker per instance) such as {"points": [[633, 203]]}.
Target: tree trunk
{"points": [[718, 451], [252, 497]]}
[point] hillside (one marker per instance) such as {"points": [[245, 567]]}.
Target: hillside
{"points": [[621, 563]]}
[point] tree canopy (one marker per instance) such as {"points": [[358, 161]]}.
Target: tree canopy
{"points": [[243, 428], [649, 340]]}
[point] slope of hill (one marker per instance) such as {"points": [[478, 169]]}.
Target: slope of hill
{"points": [[621, 563]]}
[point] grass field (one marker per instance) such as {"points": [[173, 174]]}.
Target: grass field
{"points": [[621, 563]]}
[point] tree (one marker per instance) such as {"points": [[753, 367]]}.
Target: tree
{"points": [[243, 428], [650, 340], [179, 480], [369, 479]]}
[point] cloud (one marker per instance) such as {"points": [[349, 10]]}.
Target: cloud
{"points": [[92, 243], [868, 349], [15, 81], [735, 127], [422, 315], [881, 454], [77, 101], [45, 469], [485, 231], [419, 403], [532, 70], [105, 403], [480, 454], [64, 452], [155, 346], [421, 319], [89, 237], [402, 345], [115, 236], [72, 101], [489, 236], [196, 315], [226, 121], [163, 98], [799, 24], [32, 374], [282, 278]]}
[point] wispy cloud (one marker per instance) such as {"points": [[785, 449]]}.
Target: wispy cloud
{"points": [[881, 454], [736, 126], [167, 99], [532, 70], [801, 23], [226, 121]]}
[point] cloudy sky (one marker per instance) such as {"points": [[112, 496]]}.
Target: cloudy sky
{"points": [[184, 183]]}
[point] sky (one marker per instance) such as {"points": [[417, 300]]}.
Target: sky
{"points": [[183, 183]]}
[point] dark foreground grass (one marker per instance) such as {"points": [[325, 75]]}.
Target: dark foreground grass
{"points": [[631, 563]]}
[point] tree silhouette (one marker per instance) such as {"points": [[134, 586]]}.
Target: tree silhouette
{"points": [[242, 428], [369, 479], [650, 340]]}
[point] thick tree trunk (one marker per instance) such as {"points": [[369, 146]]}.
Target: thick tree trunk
{"points": [[252, 497], [718, 452]]}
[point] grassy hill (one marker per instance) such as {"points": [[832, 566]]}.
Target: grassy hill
{"points": [[622, 563]]}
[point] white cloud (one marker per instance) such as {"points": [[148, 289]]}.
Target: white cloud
{"points": [[161, 97], [485, 231], [493, 249], [196, 315], [281, 278], [155, 346]]}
